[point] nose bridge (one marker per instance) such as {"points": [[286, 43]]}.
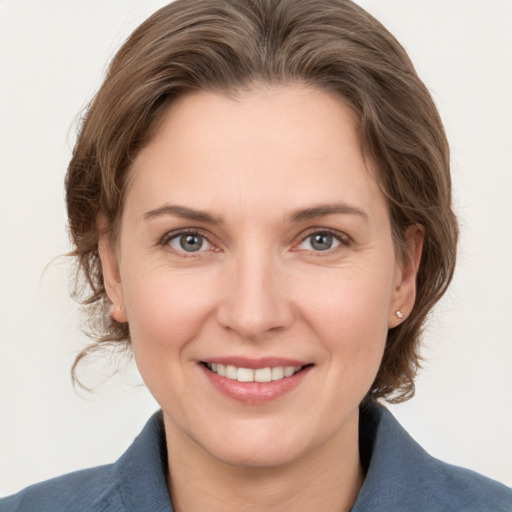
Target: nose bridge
{"points": [[255, 302]]}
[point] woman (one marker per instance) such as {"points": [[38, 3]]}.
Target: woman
{"points": [[272, 274]]}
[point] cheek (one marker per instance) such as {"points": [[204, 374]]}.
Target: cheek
{"points": [[353, 332], [349, 298], [166, 315], [349, 313], [165, 309]]}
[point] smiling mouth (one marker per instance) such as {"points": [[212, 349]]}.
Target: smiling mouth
{"points": [[240, 374]]}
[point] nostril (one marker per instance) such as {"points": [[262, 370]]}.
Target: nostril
{"points": [[256, 323]]}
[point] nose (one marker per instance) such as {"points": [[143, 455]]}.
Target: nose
{"points": [[255, 304]]}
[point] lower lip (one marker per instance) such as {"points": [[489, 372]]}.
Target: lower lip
{"points": [[255, 393]]}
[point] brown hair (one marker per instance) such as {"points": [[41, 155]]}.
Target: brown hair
{"points": [[226, 46]]}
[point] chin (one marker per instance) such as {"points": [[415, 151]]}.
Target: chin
{"points": [[260, 444], [257, 455]]}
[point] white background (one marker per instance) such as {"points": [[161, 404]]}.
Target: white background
{"points": [[52, 58]]}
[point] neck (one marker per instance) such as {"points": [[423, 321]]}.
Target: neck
{"points": [[327, 478]]}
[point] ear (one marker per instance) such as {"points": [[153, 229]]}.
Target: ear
{"points": [[111, 274], [404, 293]]}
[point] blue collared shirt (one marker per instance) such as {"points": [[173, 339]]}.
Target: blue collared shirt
{"points": [[401, 477]]}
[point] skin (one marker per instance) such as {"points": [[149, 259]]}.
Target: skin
{"points": [[258, 287]]}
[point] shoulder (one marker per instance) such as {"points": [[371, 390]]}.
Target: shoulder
{"points": [[402, 476], [86, 490], [462, 489], [136, 482]]}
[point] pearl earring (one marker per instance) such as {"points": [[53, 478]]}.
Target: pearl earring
{"points": [[399, 314]]}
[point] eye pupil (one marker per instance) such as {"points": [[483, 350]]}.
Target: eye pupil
{"points": [[321, 241], [191, 243]]}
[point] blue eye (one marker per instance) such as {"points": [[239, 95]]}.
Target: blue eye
{"points": [[320, 241], [189, 242]]}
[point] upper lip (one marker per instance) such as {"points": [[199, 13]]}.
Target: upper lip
{"points": [[255, 363]]}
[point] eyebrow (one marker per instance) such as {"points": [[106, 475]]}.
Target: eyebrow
{"points": [[327, 209], [184, 213], [296, 216]]}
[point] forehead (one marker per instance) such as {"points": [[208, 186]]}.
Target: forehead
{"points": [[282, 145]]}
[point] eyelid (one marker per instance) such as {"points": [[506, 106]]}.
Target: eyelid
{"points": [[344, 239], [170, 235]]}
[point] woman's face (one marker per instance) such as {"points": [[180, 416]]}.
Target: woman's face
{"points": [[256, 246]]}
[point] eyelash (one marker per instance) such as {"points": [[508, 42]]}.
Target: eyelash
{"points": [[167, 238], [343, 239]]}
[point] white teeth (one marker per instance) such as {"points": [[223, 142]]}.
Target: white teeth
{"points": [[249, 375], [289, 371], [277, 373], [245, 375], [263, 375], [231, 372]]}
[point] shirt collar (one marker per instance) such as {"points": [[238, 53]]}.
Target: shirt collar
{"points": [[397, 465], [386, 450], [142, 470]]}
